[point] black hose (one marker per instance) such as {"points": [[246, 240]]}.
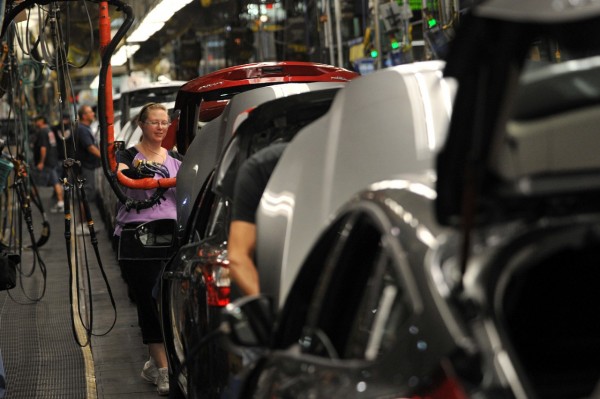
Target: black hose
{"points": [[16, 10], [77, 193]]}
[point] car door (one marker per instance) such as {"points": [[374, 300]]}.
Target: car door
{"points": [[344, 314]]}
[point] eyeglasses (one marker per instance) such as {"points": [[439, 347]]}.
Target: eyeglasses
{"points": [[156, 123]]}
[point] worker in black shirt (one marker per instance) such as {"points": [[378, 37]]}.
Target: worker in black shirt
{"points": [[251, 181], [45, 161]]}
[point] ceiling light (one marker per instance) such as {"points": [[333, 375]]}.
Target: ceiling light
{"points": [[124, 53], [95, 83], [144, 31], [155, 19]]}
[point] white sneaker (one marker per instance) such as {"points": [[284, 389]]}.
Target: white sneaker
{"points": [[150, 372], [162, 382], [58, 208]]}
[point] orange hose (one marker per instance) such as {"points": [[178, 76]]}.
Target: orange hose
{"points": [[146, 183]]}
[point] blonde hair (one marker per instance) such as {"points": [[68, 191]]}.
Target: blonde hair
{"points": [[143, 115]]}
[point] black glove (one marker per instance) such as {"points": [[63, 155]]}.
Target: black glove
{"points": [[135, 174]]}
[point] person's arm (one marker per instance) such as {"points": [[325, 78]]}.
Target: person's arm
{"points": [[40, 164], [240, 251], [95, 151], [125, 158]]}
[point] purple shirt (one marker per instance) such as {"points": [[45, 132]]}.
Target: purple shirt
{"points": [[167, 209]]}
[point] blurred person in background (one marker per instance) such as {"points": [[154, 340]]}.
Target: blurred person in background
{"points": [[45, 158], [88, 154]]}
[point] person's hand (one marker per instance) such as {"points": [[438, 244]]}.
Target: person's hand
{"points": [[40, 166]]}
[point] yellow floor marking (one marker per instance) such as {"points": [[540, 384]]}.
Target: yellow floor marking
{"points": [[90, 371]]}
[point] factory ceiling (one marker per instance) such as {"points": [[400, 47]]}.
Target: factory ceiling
{"points": [[79, 24]]}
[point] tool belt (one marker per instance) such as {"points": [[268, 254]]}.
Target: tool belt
{"points": [[154, 240]]}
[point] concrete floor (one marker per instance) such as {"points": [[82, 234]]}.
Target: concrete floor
{"points": [[42, 358]]}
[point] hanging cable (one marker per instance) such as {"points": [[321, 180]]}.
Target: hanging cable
{"points": [[32, 190], [37, 201], [54, 55], [66, 40], [23, 189], [20, 187], [74, 184], [71, 201]]}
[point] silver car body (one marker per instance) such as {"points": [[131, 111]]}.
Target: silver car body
{"points": [[206, 147], [380, 125], [495, 255]]}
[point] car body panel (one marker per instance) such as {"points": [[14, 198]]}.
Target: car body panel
{"points": [[537, 11], [382, 124], [496, 253], [486, 334], [203, 98], [408, 336]]}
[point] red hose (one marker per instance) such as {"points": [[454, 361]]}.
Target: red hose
{"points": [[104, 34], [146, 183]]}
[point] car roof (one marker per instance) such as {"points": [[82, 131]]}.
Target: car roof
{"points": [[212, 92], [379, 125], [275, 120], [267, 72], [206, 147]]}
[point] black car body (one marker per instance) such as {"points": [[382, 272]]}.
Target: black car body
{"points": [[480, 282]]}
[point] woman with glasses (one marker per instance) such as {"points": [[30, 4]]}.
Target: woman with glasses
{"points": [[139, 271]]}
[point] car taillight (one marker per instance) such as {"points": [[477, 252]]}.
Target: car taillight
{"points": [[218, 283], [448, 388]]}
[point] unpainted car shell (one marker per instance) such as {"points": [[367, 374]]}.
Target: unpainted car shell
{"points": [[382, 124]]}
